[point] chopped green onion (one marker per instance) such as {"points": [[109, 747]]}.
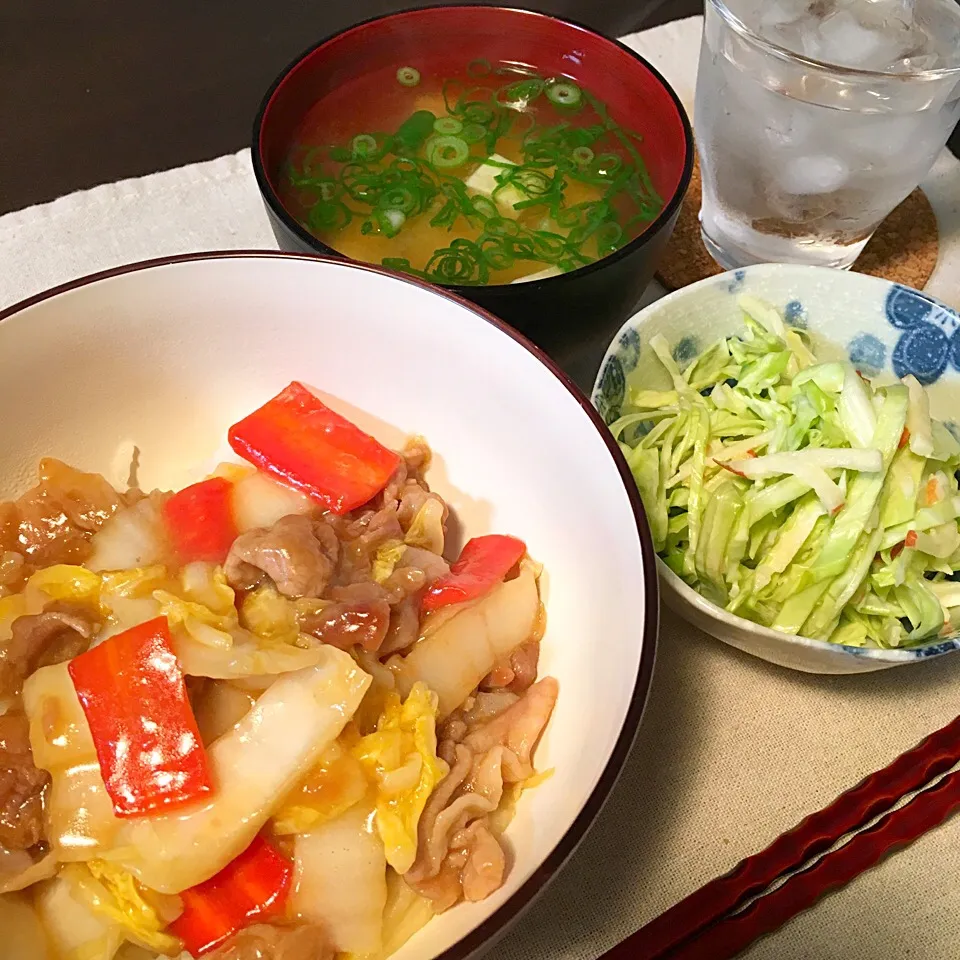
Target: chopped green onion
{"points": [[329, 216], [390, 221], [413, 131], [387, 179], [473, 132], [460, 263], [564, 93], [606, 165], [566, 217], [485, 207], [533, 182], [516, 96], [399, 198], [363, 145], [547, 246], [582, 155], [447, 216], [608, 237], [495, 253], [521, 247], [479, 68], [501, 227], [447, 125], [447, 152], [408, 76], [476, 112]]}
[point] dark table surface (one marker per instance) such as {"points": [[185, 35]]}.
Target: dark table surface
{"points": [[96, 91]]}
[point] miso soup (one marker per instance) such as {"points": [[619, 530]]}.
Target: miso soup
{"points": [[491, 176]]}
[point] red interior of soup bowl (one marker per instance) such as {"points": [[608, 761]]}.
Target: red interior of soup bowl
{"points": [[449, 37]]}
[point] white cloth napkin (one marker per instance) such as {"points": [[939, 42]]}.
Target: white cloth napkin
{"points": [[732, 751], [204, 206]]}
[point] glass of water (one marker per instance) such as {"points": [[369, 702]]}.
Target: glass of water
{"points": [[815, 118]]}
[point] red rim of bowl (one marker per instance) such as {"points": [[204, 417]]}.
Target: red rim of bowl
{"points": [[669, 208], [496, 925]]}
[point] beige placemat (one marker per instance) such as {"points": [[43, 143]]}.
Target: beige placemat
{"points": [[732, 751]]}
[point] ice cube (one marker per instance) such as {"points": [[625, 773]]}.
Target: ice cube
{"points": [[797, 36], [860, 34], [884, 136], [807, 39], [778, 13], [846, 42], [813, 174], [788, 125]]}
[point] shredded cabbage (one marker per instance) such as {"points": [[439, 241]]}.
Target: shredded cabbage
{"points": [[799, 494], [134, 584], [64, 581], [426, 528], [270, 615], [401, 759], [387, 557], [206, 583], [200, 622], [331, 788], [918, 418], [113, 894]]}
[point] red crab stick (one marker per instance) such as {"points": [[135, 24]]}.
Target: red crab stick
{"points": [[253, 886], [298, 439], [148, 746], [483, 563]]}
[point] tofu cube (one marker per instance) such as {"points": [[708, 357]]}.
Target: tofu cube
{"points": [[483, 181]]}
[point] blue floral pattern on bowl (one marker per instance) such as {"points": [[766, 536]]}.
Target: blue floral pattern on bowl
{"points": [[930, 338], [629, 350], [685, 349], [868, 354], [795, 314], [609, 394]]}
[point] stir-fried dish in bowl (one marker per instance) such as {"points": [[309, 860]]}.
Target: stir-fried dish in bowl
{"points": [[262, 716], [151, 363]]}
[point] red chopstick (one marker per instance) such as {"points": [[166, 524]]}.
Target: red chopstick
{"points": [[730, 936], [818, 832]]}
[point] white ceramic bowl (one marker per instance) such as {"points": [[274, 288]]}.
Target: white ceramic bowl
{"points": [[168, 354], [884, 328]]}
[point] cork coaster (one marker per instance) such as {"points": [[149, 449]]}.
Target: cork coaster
{"points": [[904, 249]]}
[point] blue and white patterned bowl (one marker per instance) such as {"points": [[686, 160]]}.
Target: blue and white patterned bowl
{"points": [[886, 329]]}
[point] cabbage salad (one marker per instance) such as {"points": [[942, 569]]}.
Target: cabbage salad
{"points": [[800, 495], [262, 717]]}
